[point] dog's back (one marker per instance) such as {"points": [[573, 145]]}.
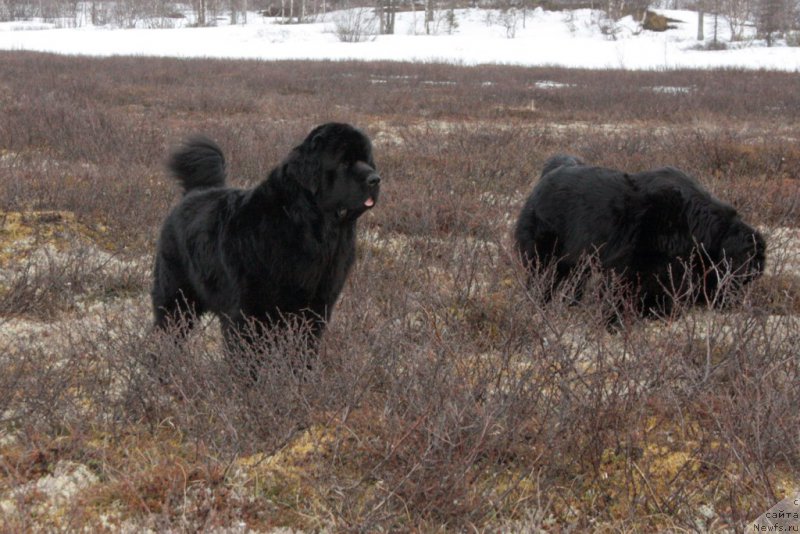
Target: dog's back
{"points": [[198, 163], [561, 160], [539, 232]]}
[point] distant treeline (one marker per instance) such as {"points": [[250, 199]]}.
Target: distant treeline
{"points": [[771, 19]]}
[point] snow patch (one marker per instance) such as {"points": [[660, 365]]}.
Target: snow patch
{"points": [[577, 39]]}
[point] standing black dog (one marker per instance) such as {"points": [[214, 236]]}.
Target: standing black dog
{"points": [[269, 255], [645, 227]]}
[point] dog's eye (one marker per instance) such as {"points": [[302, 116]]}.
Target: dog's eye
{"points": [[362, 167]]}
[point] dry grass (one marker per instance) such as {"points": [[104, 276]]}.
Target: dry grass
{"points": [[445, 396]]}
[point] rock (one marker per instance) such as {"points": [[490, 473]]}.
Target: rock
{"points": [[655, 22], [68, 478]]}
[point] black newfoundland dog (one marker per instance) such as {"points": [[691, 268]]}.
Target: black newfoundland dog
{"points": [[269, 255], [647, 227]]}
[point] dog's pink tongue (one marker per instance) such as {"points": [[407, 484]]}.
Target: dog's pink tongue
{"points": [[369, 202]]}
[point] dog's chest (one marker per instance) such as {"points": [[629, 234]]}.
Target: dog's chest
{"points": [[336, 250], [328, 253]]}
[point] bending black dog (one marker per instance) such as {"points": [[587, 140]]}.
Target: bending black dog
{"points": [[645, 227], [275, 253]]}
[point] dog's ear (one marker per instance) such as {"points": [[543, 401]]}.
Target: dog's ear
{"points": [[744, 247], [304, 167], [305, 162], [561, 160], [663, 224]]}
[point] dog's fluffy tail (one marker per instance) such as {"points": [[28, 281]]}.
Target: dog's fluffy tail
{"points": [[561, 160], [198, 163]]}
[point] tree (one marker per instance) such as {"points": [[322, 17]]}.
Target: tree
{"points": [[738, 13], [385, 10], [238, 11], [715, 8], [200, 12], [430, 15], [700, 24], [773, 16]]}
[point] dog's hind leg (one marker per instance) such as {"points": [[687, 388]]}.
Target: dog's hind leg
{"points": [[538, 250], [175, 311], [246, 345], [174, 302], [180, 311]]}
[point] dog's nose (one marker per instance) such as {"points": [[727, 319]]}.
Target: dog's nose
{"points": [[373, 180]]}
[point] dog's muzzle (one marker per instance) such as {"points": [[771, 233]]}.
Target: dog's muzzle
{"points": [[373, 181]]}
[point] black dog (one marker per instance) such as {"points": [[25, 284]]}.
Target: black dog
{"points": [[269, 255], [645, 227]]}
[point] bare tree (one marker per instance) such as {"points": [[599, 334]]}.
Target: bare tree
{"points": [[738, 13], [385, 10], [355, 25], [773, 18], [700, 24], [238, 11], [200, 10], [715, 8], [430, 15]]}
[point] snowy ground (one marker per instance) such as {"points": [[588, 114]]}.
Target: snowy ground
{"points": [[570, 39]]}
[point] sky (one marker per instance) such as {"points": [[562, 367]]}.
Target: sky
{"points": [[556, 38]]}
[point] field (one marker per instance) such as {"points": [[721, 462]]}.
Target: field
{"points": [[446, 397]]}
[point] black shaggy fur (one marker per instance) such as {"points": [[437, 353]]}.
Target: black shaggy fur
{"points": [[646, 227], [280, 250]]}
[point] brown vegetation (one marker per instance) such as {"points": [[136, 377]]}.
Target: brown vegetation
{"points": [[446, 397]]}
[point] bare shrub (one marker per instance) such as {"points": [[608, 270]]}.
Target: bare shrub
{"points": [[355, 25], [446, 394], [438, 21], [738, 13], [607, 24], [132, 14], [508, 18]]}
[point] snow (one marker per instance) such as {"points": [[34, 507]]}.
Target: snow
{"points": [[557, 38]]}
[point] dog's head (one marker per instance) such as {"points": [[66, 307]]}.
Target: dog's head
{"points": [[743, 251], [738, 260], [335, 164]]}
